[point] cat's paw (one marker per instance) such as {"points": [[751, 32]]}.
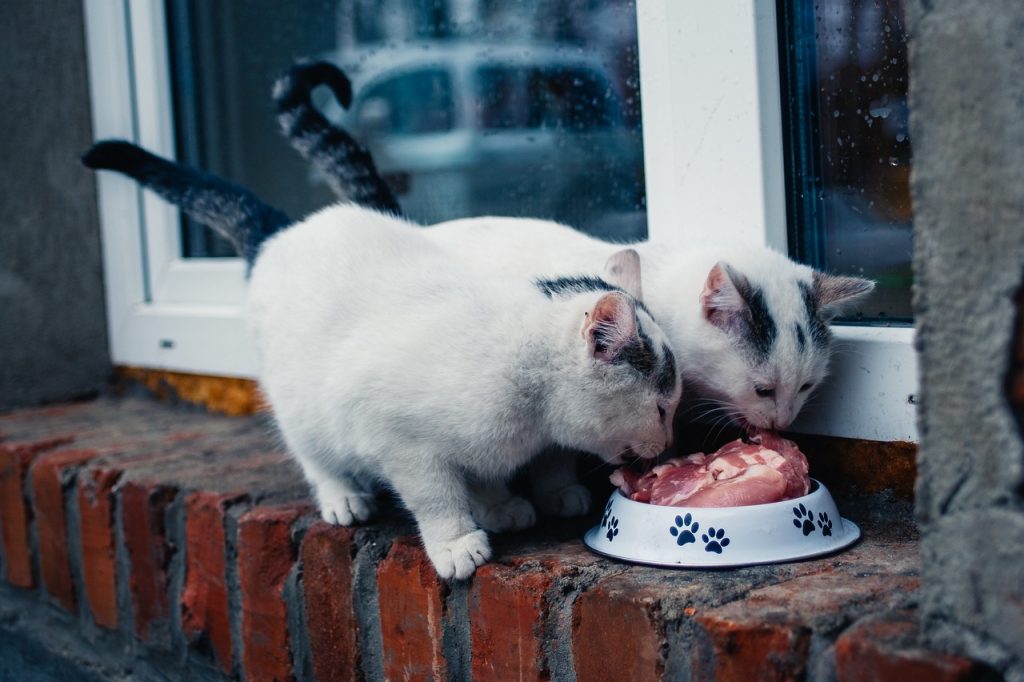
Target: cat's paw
{"points": [[515, 513], [459, 558], [572, 500], [345, 510]]}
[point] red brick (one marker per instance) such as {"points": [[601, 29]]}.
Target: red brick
{"points": [[96, 531], [48, 474], [411, 606], [204, 599], [766, 635], [606, 616], [331, 625], [266, 555], [143, 508], [767, 652], [886, 649], [508, 607], [15, 514]]}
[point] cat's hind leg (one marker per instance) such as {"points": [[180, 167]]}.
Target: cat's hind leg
{"points": [[342, 500], [498, 510]]}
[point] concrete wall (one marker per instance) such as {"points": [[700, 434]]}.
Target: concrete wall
{"points": [[967, 127], [53, 342]]}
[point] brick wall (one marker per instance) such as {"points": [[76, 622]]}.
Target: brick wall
{"points": [[144, 542]]}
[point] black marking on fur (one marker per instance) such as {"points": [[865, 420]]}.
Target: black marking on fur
{"points": [[761, 326], [582, 284], [666, 381], [801, 338], [571, 286], [820, 334], [346, 164], [639, 354], [233, 211]]}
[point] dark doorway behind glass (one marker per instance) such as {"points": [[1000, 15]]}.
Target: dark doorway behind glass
{"points": [[469, 108], [844, 68]]}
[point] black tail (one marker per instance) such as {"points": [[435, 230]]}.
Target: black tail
{"points": [[233, 211], [349, 168]]}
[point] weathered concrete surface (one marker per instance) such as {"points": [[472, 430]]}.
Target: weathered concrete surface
{"points": [[52, 322], [967, 125]]}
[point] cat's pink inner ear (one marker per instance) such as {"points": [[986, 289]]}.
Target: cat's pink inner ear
{"points": [[720, 300], [610, 326], [623, 270], [835, 293]]}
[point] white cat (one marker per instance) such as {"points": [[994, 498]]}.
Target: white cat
{"points": [[387, 362], [748, 325]]}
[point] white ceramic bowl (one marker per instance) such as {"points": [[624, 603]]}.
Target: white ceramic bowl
{"points": [[706, 537]]}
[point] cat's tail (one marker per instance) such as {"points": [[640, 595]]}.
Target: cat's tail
{"points": [[231, 210], [347, 165]]}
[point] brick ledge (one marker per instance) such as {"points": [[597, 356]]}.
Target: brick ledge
{"points": [[161, 537]]}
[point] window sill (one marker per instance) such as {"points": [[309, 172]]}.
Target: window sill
{"points": [[130, 480]]}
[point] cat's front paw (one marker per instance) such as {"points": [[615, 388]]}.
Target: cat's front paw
{"points": [[515, 513], [459, 558], [345, 510], [572, 500]]}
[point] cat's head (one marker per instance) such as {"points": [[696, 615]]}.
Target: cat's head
{"points": [[769, 342], [624, 392]]}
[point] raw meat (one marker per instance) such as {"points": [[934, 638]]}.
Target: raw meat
{"points": [[768, 469]]}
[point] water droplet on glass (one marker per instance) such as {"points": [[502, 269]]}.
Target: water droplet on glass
{"points": [[839, 141], [900, 137], [874, 77], [835, 114], [880, 112]]}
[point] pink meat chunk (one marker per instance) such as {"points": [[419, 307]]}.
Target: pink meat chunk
{"points": [[769, 469]]}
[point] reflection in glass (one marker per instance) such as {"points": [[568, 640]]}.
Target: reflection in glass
{"points": [[849, 153], [469, 107]]}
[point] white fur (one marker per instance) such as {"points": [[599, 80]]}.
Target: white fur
{"points": [[715, 370], [387, 360]]}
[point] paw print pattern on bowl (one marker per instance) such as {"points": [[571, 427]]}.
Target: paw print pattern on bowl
{"points": [[684, 530], [613, 529], [804, 519], [825, 523], [607, 513], [715, 541]]}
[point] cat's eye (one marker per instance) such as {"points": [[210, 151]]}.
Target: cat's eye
{"points": [[764, 392], [806, 387]]}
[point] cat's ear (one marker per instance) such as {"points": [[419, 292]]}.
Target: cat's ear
{"points": [[834, 294], [623, 270], [610, 326], [722, 301]]}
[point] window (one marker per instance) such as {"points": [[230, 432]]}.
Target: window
{"points": [[551, 131], [845, 82]]}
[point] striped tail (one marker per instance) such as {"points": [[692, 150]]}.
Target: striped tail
{"points": [[231, 210], [348, 166]]}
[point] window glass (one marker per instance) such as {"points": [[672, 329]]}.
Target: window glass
{"points": [[413, 103], [468, 107], [848, 147]]}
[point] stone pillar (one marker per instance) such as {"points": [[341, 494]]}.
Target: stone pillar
{"points": [[967, 129], [53, 328]]}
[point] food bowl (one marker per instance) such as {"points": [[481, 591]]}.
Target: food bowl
{"points": [[709, 537]]}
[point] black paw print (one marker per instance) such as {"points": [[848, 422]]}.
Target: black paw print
{"points": [[684, 530], [613, 529], [607, 513], [714, 540], [825, 523], [804, 519]]}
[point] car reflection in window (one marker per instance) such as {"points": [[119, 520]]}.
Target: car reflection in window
{"points": [[462, 129]]}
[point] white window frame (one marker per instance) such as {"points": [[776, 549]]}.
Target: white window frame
{"points": [[714, 169]]}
